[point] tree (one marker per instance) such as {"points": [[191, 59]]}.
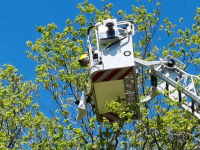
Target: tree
{"points": [[16, 112], [162, 124]]}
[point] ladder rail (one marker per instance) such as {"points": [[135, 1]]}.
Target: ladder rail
{"points": [[170, 81], [179, 80]]}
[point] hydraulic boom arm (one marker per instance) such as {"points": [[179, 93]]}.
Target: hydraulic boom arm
{"points": [[180, 84]]}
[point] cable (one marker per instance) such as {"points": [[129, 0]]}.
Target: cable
{"points": [[89, 29], [115, 42]]}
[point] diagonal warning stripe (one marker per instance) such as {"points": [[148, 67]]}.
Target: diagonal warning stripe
{"points": [[108, 75], [102, 77], [111, 75], [98, 75], [119, 75], [126, 73]]}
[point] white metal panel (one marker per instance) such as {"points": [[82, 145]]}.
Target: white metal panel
{"points": [[119, 55]]}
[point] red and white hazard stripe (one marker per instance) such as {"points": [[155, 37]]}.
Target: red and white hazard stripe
{"points": [[109, 75]]}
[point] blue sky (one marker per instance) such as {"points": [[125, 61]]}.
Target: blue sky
{"points": [[18, 20]]}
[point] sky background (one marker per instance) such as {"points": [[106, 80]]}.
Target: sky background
{"points": [[18, 20]]}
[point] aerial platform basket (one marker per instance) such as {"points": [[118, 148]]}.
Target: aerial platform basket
{"points": [[112, 66]]}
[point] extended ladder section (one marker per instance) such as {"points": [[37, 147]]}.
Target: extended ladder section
{"points": [[181, 86]]}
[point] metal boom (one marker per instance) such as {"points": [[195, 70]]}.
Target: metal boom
{"points": [[180, 84]]}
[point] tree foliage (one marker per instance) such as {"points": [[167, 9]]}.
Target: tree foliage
{"points": [[162, 123]]}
